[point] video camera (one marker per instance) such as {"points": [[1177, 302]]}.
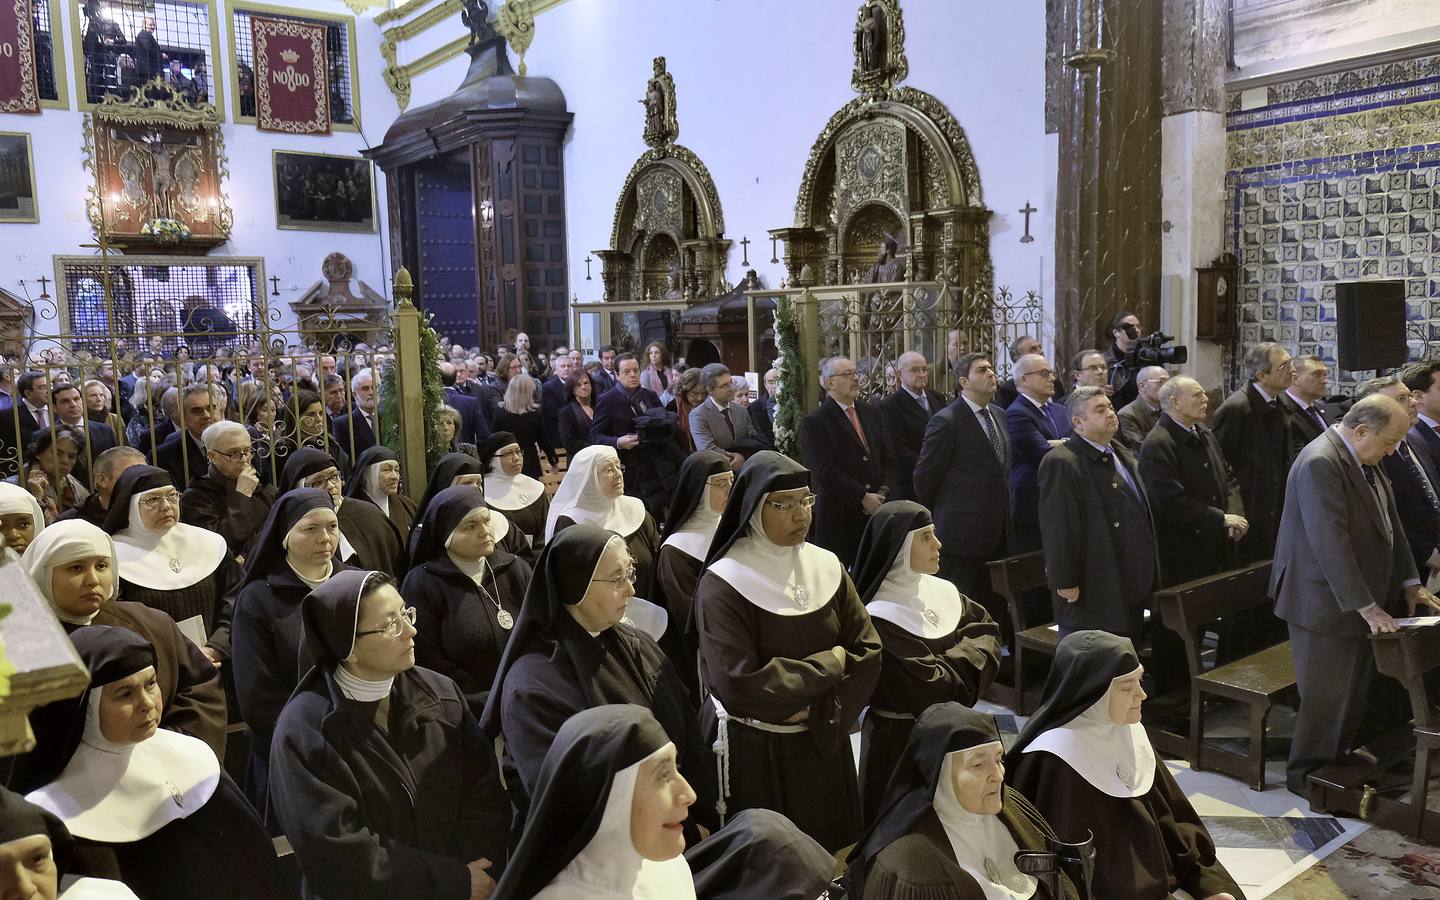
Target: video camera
{"points": [[1151, 350]]}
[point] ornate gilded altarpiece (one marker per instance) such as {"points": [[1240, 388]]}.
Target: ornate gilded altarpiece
{"points": [[157, 155], [668, 237]]}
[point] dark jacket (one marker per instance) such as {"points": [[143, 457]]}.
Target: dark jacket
{"points": [[182, 459], [1097, 537], [364, 437], [1136, 420], [574, 428], [905, 420], [1255, 437], [375, 816], [552, 400], [1303, 429], [474, 427], [530, 434], [1121, 377], [960, 480], [210, 503], [762, 420], [842, 471], [651, 467], [1412, 476], [1030, 433], [1191, 491]]}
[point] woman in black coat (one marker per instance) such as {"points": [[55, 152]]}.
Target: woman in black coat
{"points": [[519, 413], [466, 593], [577, 413]]}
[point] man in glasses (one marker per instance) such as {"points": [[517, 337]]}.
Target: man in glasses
{"points": [[843, 443], [228, 499], [1140, 415]]}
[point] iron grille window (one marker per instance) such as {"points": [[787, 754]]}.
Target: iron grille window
{"points": [[44, 52], [125, 43], [202, 307], [337, 48]]}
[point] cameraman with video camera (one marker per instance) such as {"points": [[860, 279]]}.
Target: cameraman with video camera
{"points": [[1129, 352]]}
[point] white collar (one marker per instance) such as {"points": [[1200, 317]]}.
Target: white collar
{"points": [[694, 537], [372, 487], [983, 845], [119, 793], [474, 569], [1428, 421], [581, 499], [1117, 760], [168, 560], [717, 405], [923, 605], [610, 867], [1262, 392], [510, 492], [785, 581], [80, 888], [1038, 404], [1299, 400], [357, 688]]}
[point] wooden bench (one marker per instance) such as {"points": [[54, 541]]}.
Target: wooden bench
{"points": [[1259, 680], [1010, 578]]}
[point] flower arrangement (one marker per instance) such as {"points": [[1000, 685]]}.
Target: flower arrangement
{"points": [[787, 392], [166, 231]]}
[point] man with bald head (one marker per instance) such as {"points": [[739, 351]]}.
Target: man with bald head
{"points": [[1140, 415], [906, 413], [1036, 424], [1342, 570]]}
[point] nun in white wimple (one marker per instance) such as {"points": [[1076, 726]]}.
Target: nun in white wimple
{"points": [[788, 654], [376, 479], [608, 813], [21, 519], [508, 489], [593, 493], [939, 645], [1087, 763]]}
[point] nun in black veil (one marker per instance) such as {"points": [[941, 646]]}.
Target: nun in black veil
{"points": [[383, 783], [1088, 765], [376, 479], [451, 470], [35, 854], [760, 853], [368, 539], [150, 806], [508, 489], [938, 644], [571, 651], [788, 654], [948, 828], [694, 514], [466, 591]]}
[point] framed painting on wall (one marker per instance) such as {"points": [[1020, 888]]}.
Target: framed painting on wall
{"points": [[17, 179], [321, 192]]}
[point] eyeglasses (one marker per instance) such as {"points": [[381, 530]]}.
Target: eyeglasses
{"points": [[619, 581], [850, 374], [721, 481], [319, 481], [612, 469], [1096, 367], [153, 503], [1047, 374], [793, 506], [393, 626], [235, 455]]}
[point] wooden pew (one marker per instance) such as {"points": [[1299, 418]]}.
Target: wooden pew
{"points": [[1011, 577], [1259, 680]]}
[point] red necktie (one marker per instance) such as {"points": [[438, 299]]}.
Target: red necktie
{"points": [[855, 423]]}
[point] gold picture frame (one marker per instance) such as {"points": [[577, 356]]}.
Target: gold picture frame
{"points": [[291, 210], [18, 202]]}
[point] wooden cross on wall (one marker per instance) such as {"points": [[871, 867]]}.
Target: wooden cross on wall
{"points": [[745, 246], [1027, 210]]}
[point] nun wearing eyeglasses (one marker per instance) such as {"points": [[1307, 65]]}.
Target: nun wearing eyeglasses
{"points": [[293, 554], [378, 773], [179, 569], [571, 651], [73, 565], [150, 806], [937, 644], [508, 489], [376, 479], [1088, 765], [21, 519], [368, 539], [593, 493], [788, 655], [455, 469], [467, 592], [36, 850], [948, 827], [609, 814]]}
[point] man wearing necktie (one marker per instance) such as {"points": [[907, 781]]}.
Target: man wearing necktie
{"points": [[718, 424], [1411, 471], [1342, 569], [1036, 423], [1423, 380], [906, 413], [356, 430], [1306, 420], [1096, 526], [1255, 436], [843, 445]]}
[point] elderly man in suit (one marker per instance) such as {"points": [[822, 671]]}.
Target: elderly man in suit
{"points": [[1140, 415], [355, 431], [719, 423], [183, 453], [552, 396], [1305, 417], [906, 414], [1342, 569], [1255, 436], [1024, 345], [961, 477], [843, 447], [762, 410], [474, 427], [1096, 526], [1412, 475], [1036, 424]]}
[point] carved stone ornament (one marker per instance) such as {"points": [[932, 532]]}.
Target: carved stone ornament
{"points": [[516, 23], [661, 125], [332, 307], [658, 193], [870, 161], [880, 61]]}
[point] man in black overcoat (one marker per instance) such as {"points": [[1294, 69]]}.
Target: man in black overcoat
{"points": [[1095, 524], [906, 413], [1412, 475], [1254, 434], [843, 444]]}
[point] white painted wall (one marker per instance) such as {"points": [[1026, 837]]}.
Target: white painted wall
{"points": [[294, 256], [756, 82]]}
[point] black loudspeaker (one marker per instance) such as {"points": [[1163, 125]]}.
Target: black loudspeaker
{"points": [[1371, 324]]}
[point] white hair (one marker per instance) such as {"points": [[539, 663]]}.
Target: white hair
{"points": [[215, 432], [363, 373]]}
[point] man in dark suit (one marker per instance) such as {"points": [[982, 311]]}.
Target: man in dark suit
{"points": [[1412, 475], [906, 413], [961, 477], [361, 421], [473, 426], [1140, 415], [1024, 345], [1423, 380], [29, 414], [842, 442], [183, 453], [69, 409], [614, 425], [762, 410], [1095, 524], [552, 398], [1342, 569], [605, 375], [1036, 424], [147, 57], [1255, 436], [1304, 416], [336, 403]]}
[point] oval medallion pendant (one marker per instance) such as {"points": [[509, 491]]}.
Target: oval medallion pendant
{"points": [[175, 566], [931, 616], [802, 597], [1126, 776], [505, 620]]}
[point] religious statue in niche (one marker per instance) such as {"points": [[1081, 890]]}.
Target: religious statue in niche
{"points": [[673, 288], [879, 47], [889, 267], [661, 125], [870, 39]]}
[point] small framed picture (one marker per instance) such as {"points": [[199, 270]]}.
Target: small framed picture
{"points": [[17, 179], [321, 192]]}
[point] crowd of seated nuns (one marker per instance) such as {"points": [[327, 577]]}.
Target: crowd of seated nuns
{"points": [[447, 702]]}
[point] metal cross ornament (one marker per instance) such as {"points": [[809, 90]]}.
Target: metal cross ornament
{"points": [[745, 247], [1027, 210], [587, 267]]}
